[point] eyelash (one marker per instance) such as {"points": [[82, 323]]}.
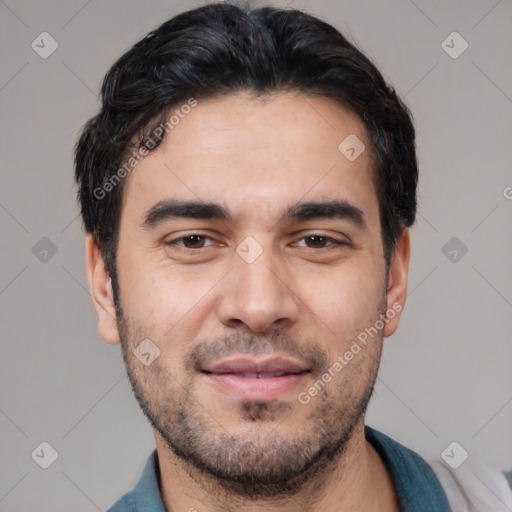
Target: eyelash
{"points": [[333, 241]]}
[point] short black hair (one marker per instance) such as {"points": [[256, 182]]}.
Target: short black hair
{"points": [[221, 49]]}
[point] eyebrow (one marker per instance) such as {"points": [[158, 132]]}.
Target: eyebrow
{"points": [[170, 209]]}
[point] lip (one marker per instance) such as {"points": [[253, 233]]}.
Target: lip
{"points": [[251, 365], [252, 379]]}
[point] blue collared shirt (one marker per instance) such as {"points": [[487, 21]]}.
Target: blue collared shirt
{"points": [[417, 486]]}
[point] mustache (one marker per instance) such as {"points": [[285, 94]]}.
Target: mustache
{"points": [[309, 352]]}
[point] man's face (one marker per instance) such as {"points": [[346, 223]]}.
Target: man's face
{"points": [[249, 310]]}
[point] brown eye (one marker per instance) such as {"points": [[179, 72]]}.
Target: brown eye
{"points": [[316, 240], [193, 241]]}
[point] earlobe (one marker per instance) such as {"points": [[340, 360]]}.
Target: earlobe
{"points": [[100, 285], [397, 282]]}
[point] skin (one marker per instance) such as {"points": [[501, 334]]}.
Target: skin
{"points": [[256, 157]]}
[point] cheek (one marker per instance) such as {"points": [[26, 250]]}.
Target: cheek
{"points": [[344, 298], [167, 304]]}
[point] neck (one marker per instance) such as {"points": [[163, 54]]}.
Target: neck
{"points": [[357, 480]]}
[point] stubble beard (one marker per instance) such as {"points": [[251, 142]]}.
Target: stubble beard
{"points": [[263, 461]]}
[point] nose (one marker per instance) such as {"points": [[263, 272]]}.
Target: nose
{"points": [[259, 295]]}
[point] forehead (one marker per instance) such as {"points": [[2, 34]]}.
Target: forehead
{"points": [[259, 153]]}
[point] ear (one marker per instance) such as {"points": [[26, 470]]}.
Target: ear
{"points": [[397, 282], [100, 285]]}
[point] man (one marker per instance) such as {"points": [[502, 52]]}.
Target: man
{"points": [[247, 190]]}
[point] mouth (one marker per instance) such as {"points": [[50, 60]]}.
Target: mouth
{"points": [[260, 380]]}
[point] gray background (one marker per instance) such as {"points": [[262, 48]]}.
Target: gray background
{"points": [[446, 374]]}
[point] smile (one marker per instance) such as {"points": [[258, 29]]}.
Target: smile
{"points": [[251, 379]]}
